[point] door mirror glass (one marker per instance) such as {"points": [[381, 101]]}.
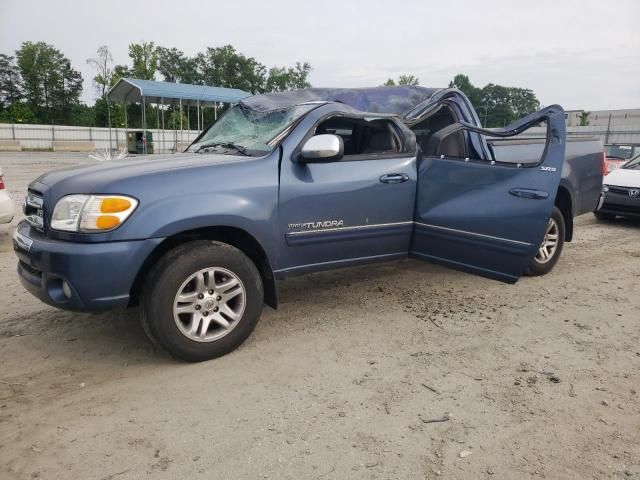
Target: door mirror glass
{"points": [[322, 148]]}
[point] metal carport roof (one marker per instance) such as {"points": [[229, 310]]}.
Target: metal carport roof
{"points": [[133, 90]]}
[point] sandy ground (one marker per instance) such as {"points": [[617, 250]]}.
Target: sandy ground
{"points": [[540, 379]]}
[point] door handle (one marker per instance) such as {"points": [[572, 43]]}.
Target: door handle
{"points": [[529, 193], [394, 178]]}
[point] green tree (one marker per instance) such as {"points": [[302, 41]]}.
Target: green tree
{"points": [[10, 82], [497, 105], [66, 99], [462, 83], [174, 120], [120, 71], [411, 80], [408, 80], [102, 63], [52, 87], [281, 79], [144, 59], [225, 67], [101, 113], [18, 112], [584, 118], [175, 66]]}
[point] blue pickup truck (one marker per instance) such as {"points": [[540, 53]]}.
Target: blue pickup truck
{"points": [[298, 182]]}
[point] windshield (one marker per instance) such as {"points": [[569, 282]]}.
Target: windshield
{"points": [[244, 129], [633, 164], [624, 152]]}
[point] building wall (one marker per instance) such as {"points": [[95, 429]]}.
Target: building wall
{"points": [[603, 118]]}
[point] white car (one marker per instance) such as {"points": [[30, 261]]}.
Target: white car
{"points": [[621, 192], [7, 205]]}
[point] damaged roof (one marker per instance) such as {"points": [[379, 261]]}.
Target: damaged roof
{"points": [[394, 100]]}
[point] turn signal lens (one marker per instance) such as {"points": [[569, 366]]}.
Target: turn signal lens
{"points": [[115, 205], [107, 222], [106, 212]]}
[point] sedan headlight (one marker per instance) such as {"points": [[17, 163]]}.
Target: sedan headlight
{"points": [[91, 213]]}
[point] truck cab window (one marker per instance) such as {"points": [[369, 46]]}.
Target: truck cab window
{"points": [[455, 145], [363, 138]]}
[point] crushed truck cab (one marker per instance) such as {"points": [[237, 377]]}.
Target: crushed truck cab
{"points": [[298, 182]]}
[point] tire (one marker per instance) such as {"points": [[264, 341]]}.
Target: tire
{"points": [[539, 264], [190, 325], [604, 217]]}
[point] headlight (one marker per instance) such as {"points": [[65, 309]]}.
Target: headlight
{"points": [[91, 213], [605, 188]]}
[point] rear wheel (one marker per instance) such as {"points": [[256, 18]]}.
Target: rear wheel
{"points": [[202, 300], [605, 217], [551, 247]]}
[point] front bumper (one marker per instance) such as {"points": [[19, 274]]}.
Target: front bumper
{"points": [[99, 276], [619, 203], [7, 207]]}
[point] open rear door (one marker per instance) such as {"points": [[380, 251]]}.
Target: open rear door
{"points": [[485, 216]]}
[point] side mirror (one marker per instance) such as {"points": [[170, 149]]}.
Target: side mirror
{"points": [[322, 148]]}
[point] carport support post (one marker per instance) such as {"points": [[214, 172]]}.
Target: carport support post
{"points": [[198, 112], [180, 123], [144, 126], [164, 145], [188, 124], [126, 127], [215, 111], [157, 122], [109, 120]]}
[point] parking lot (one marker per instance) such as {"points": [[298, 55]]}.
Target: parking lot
{"points": [[393, 371]]}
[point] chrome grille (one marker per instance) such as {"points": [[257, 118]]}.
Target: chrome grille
{"points": [[34, 210], [626, 191]]}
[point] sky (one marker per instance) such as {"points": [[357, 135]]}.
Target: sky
{"points": [[582, 54]]}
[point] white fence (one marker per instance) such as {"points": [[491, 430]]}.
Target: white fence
{"points": [[621, 134], [41, 137]]}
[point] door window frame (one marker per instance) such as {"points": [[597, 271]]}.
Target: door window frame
{"points": [[406, 137]]}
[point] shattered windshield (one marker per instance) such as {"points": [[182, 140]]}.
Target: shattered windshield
{"points": [[624, 152], [248, 132]]}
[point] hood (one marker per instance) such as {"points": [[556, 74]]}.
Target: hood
{"points": [[623, 177], [91, 177]]}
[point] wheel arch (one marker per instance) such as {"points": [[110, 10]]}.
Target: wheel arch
{"points": [[565, 204], [233, 236]]}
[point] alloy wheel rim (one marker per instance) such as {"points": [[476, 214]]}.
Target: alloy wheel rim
{"points": [[209, 304], [549, 245]]}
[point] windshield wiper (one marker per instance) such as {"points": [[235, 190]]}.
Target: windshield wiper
{"points": [[238, 148]]}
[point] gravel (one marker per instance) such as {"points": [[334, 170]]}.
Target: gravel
{"points": [[336, 383]]}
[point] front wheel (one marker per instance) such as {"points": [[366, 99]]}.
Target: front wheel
{"points": [[202, 300], [549, 251]]}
